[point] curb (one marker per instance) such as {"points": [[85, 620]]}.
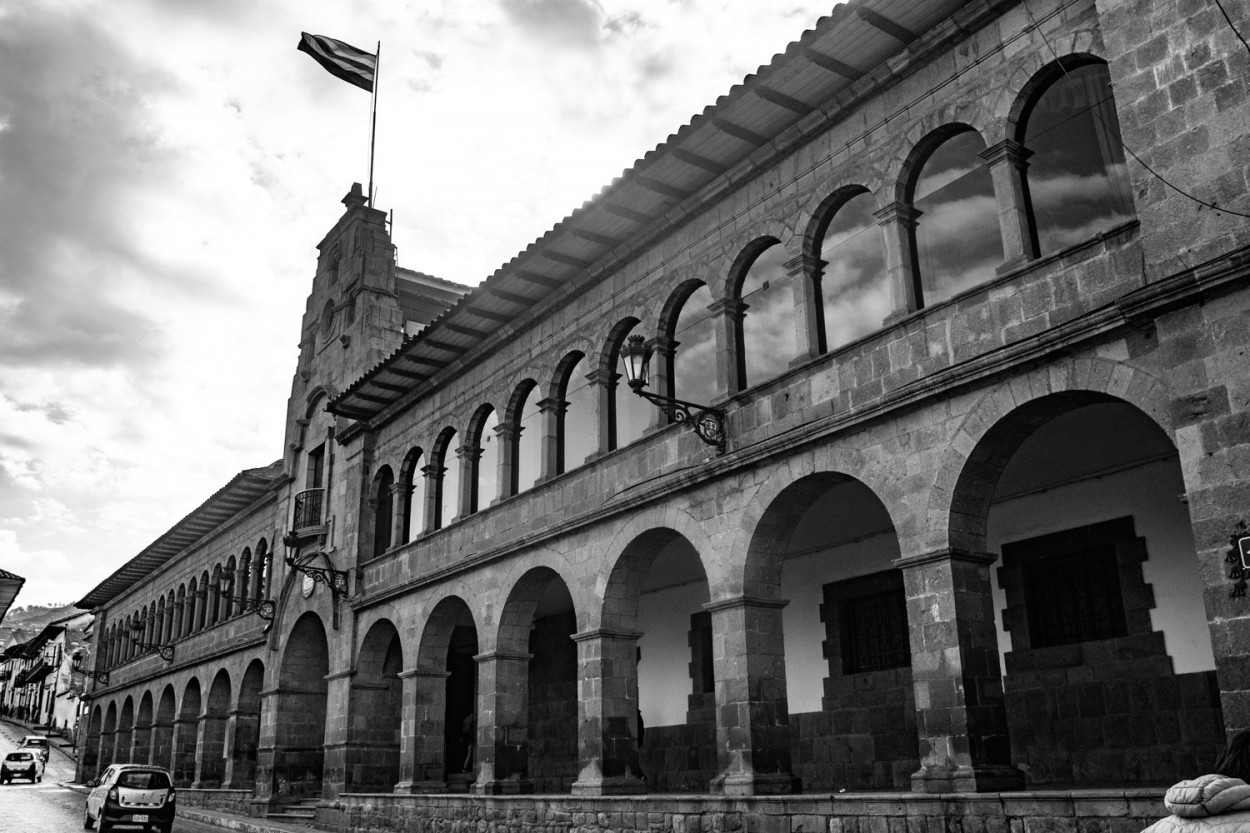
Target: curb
{"points": [[232, 823]]}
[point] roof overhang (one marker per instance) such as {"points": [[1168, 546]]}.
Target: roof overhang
{"points": [[10, 585], [245, 489], [768, 113]]}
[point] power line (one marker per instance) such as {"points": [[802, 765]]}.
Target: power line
{"points": [[1231, 25]]}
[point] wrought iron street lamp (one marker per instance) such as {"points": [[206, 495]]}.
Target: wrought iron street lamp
{"points": [[75, 664], [166, 652], [708, 423], [336, 580], [264, 608]]}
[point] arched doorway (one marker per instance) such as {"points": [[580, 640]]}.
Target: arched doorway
{"points": [[212, 771], [91, 747], [143, 731], [533, 696], [827, 544], [247, 727], [1108, 667], [125, 731], [655, 597], [447, 699], [376, 712], [163, 729], [299, 754], [108, 738], [186, 734]]}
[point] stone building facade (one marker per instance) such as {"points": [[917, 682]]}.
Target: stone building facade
{"points": [[969, 283]]}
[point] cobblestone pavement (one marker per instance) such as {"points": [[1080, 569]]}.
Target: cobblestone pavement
{"points": [[52, 806]]}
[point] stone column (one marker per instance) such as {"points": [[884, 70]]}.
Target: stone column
{"points": [[141, 744], [467, 459], [606, 382], [961, 718], [730, 358], [199, 781], [242, 734], [663, 374], [552, 462], [508, 435], [163, 745], [334, 772], [186, 736], [1007, 162], [400, 520], [108, 745], [753, 726], [898, 223], [607, 713], [503, 724], [806, 272], [266, 754], [433, 478], [422, 739]]}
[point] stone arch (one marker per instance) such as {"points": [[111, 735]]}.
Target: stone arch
{"points": [[819, 216], [622, 415], [928, 132], [247, 727], [212, 763], [382, 506], [189, 609], [142, 753], [186, 734], [573, 446], [91, 744], [480, 468], [1040, 70], [672, 518], [447, 696], [956, 511], [443, 458], [229, 575], [376, 711], [125, 730], [301, 709], [163, 728], [108, 737], [263, 570], [411, 495], [524, 449], [215, 605]]}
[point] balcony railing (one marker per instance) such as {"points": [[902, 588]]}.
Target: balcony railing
{"points": [[308, 509]]}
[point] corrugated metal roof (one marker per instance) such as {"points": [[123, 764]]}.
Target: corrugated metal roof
{"points": [[244, 489], [854, 39]]}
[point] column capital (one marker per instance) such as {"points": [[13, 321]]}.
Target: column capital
{"points": [[945, 554], [422, 672], [732, 307], [433, 470], [1007, 150], [603, 378], [552, 404], [606, 633], [804, 265], [497, 655], [898, 212], [745, 601]]}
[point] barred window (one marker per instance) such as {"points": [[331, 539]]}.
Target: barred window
{"points": [[1074, 597], [874, 632]]}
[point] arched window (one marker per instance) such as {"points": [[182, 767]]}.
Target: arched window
{"points": [[957, 240], [1077, 181], [767, 344], [383, 483], [160, 621], [630, 414], [527, 438], [192, 608], [180, 616], [243, 583], [854, 291], [228, 577], [411, 496], [206, 599], [264, 570], [214, 604], [446, 482], [577, 431], [692, 360], [483, 458]]}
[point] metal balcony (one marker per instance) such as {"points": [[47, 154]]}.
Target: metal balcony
{"points": [[308, 509]]}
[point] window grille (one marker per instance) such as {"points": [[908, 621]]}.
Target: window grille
{"points": [[874, 632], [1074, 598]]}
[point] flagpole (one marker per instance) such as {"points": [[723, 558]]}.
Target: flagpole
{"points": [[373, 130]]}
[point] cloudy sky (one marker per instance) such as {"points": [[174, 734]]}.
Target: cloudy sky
{"points": [[167, 167]]}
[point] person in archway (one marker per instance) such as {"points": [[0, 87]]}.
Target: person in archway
{"points": [[1218, 802], [468, 735]]}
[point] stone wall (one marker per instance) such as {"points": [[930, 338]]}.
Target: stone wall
{"points": [[1112, 811]]}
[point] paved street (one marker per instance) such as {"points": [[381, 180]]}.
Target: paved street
{"points": [[51, 806]]}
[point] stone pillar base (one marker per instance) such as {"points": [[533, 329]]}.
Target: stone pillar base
{"points": [[619, 785], [510, 786], [967, 779], [420, 787], [757, 784], [238, 784]]}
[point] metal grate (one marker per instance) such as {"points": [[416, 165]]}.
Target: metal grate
{"points": [[1074, 598], [875, 632]]}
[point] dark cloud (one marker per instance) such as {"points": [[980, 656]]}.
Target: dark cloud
{"points": [[74, 141], [565, 23]]}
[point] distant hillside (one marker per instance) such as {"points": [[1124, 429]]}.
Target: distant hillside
{"points": [[23, 623]]}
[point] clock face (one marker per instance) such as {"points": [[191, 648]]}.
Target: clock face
{"points": [[308, 587]]}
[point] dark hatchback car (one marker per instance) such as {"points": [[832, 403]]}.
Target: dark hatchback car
{"points": [[131, 794]]}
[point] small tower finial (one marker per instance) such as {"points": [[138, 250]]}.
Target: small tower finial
{"points": [[355, 197]]}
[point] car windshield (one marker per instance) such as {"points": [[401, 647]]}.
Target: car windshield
{"points": [[143, 780], [35, 742], [18, 756]]}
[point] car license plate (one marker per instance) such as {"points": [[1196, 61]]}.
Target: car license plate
{"points": [[140, 818]]}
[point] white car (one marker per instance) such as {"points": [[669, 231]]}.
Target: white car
{"points": [[137, 795], [24, 763]]}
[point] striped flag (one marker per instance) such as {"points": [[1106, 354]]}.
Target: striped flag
{"points": [[341, 60]]}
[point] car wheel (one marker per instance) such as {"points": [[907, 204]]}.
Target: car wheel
{"points": [[105, 825], [87, 821]]}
